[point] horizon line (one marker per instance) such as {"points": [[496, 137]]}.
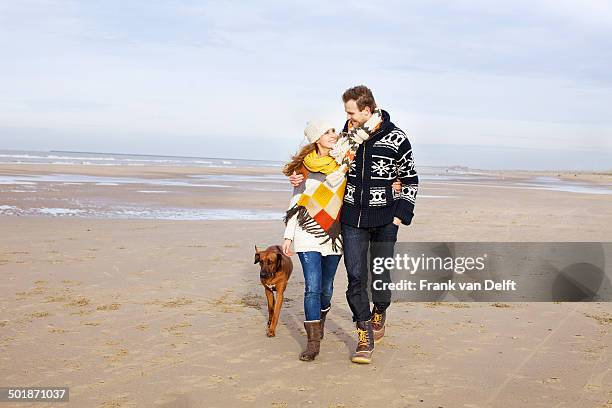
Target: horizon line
{"points": [[446, 166]]}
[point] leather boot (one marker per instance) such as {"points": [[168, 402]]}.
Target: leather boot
{"points": [[323, 316], [378, 324], [365, 343], [313, 332]]}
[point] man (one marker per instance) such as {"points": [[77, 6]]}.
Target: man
{"points": [[372, 212]]}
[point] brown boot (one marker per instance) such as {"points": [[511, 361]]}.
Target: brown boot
{"points": [[378, 324], [323, 316], [313, 331], [365, 344]]}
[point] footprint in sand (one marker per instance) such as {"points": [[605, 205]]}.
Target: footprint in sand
{"points": [[215, 379], [57, 331], [248, 397], [501, 305], [72, 282], [56, 299], [118, 356], [253, 300], [38, 290], [82, 312], [172, 303], [38, 315], [604, 318], [79, 301], [456, 305], [227, 306], [112, 306], [175, 329], [119, 402]]}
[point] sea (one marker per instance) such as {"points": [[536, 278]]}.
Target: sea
{"points": [[25, 189]]}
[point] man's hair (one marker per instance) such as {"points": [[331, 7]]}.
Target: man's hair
{"points": [[362, 95]]}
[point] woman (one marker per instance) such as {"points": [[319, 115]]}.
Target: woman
{"points": [[313, 226]]}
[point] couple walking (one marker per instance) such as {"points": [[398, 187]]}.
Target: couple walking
{"points": [[349, 191]]}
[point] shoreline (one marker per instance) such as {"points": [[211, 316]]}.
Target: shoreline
{"points": [[202, 192]]}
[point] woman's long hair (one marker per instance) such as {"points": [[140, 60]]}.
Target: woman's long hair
{"points": [[298, 159]]}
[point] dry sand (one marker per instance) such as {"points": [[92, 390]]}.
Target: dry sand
{"points": [[148, 313]]}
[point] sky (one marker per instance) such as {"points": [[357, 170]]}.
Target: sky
{"points": [[521, 84]]}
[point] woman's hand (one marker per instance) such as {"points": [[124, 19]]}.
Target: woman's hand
{"points": [[296, 179], [397, 186], [287, 247]]}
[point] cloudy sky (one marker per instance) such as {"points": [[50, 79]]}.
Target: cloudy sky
{"points": [[486, 84]]}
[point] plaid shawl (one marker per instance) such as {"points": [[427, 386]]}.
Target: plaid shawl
{"points": [[318, 206]]}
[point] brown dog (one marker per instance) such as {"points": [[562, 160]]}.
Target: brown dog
{"points": [[275, 271]]}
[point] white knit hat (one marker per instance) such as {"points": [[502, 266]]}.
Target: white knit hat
{"points": [[316, 128]]}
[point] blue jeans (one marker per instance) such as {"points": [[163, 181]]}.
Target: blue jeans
{"points": [[319, 273], [356, 243]]}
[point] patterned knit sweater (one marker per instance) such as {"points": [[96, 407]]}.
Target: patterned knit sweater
{"points": [[369, 200]]}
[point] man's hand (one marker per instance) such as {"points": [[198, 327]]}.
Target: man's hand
{"points": [[397, 185], [296, 179], [287, 247]]}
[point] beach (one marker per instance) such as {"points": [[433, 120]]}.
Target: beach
{"points": [[135, 287]]}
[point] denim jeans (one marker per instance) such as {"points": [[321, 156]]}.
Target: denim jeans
{"points": [[356, 243], [319, 273]]}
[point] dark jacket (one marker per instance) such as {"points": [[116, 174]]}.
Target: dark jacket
{"points": [[369, 200]]}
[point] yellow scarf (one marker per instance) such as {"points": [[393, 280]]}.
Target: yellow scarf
{"points": [[320, 164]]}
